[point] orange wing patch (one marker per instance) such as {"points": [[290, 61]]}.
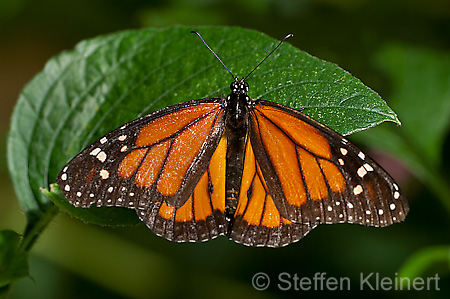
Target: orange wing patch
{"points": [[168, 146], [303, 133], [167, 125], [154, 160], [314, 180], [298, 166], [131, 162], [186, 146], [301, 158], [201, 217], [257, 219], [283, 155], [217, 176], [334, 177], [185, 213], [165, 211]]}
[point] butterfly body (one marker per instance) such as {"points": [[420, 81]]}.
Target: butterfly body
{"points": [[237, 106]]}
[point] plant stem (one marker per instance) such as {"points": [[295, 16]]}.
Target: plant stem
{"points": [[36, 226]]}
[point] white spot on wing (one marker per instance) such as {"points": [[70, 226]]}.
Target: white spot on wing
{"points": [[341, 161], [362, 171], [95, 151], [103, 140], [67, 188], [361, 155], [101, 156], [122, 137], [64, 176], [392, 206], [368, 167], [357, 190], [396, 195], [104, 174], [343, 151], [124, 148]]}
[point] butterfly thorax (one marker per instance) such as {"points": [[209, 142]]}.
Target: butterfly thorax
{"points": [[236, 131], [236, 105]]}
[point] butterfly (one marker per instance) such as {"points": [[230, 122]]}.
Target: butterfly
{"points": [[261, 173]]}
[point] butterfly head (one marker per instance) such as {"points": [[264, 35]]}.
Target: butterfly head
{"points": [[239, 87]]}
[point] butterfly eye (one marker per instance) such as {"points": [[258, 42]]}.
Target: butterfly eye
{"points": [[244, 86]]}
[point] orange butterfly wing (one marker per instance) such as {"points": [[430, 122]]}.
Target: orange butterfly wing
{"points": [[314, 175], [165, 165]]}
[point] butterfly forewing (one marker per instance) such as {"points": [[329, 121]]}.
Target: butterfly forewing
{"points": [[316, 176], [157, 158]]}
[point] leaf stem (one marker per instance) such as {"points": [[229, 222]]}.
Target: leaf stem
{"points": [[36, 225]]}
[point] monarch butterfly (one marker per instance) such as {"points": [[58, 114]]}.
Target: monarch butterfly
{"points": [[259, 172]]}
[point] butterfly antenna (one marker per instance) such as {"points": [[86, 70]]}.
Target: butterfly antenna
{"points": [[198, 34], [285, 38]]}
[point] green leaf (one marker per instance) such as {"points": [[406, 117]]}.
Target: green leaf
{"points": [[13, 263], [109, 80]]}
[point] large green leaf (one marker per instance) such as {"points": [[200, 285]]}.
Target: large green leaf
{"points": [[107, 81]]}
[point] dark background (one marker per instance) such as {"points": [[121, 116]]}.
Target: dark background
{"points": [[73, 259]]}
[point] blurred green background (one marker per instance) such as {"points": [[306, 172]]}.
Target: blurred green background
{"points": [[399, 48]]}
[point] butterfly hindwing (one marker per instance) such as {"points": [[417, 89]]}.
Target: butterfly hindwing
{"points": [[257, 221], [316, 176], [202, 216]]}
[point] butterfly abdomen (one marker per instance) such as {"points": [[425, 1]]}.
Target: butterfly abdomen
{"points": [[236, 126]]}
